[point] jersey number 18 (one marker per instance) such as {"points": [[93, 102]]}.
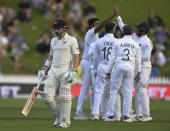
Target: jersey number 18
{"points": [[107, 52]]}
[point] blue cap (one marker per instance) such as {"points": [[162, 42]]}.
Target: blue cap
{"points": [[102, 34], [110, 26], [143, 26]]}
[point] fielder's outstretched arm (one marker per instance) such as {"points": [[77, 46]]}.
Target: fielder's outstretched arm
{"points": [[119, 19], [120, 23], [101, 25]]}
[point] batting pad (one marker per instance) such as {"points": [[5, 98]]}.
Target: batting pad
{"points": [[65, 104], [50, 102]]}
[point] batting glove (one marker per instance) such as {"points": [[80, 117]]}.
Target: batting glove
{"points": [[71, 75], [41, 74]]}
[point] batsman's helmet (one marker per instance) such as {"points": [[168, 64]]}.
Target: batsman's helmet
{"points": [[143, 26], [59, 23]]}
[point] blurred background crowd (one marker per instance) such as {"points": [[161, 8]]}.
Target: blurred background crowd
{"points": [[13, 43]]}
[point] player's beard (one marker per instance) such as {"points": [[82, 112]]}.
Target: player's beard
{"points": [[139, 33], [59, 33]]}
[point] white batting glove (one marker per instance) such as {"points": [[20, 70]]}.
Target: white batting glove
{"points": [[71, 75], [41, 74]]}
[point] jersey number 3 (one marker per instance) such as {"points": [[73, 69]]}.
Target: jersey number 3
{"points": [[107, 52], [127, 52]]}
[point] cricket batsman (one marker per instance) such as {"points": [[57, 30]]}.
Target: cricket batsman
{"points": [[62, 71]]}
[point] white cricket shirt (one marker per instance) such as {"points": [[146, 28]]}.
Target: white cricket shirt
{"points": [[90, 37], [145, 44], [126, 53], [63, 51], [103, 49], [146, 48]]}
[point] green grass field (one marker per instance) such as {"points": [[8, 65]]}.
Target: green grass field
{"points": [[40, 119]]}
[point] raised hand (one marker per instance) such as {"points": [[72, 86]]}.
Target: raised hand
{"points": [[116, 10]]}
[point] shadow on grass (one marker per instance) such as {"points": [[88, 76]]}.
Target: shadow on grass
{"points": [[27, 119]]}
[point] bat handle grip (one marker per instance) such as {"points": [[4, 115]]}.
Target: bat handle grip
{"points": [[39, 83]]}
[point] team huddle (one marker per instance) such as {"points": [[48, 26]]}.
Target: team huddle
{"points": [[111, 67], [112, 63]]}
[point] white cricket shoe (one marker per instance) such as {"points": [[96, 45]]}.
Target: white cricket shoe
{"points": [[81, 117], [132, 111], [102, 117], [117, 119], [95, 117], [127, 119], [136, 118], [63, 125], [109, 119], [56, 122], [133, 115], [145, 118]]}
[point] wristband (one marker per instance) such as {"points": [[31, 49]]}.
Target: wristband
{"points": [[44, 68], [47, 63], [75, 70]]}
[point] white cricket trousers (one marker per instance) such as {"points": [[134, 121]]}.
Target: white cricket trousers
{"points": [[86, 84], [102, 93], [92, 89], [119, 75], [141, 96], [57, 80]]}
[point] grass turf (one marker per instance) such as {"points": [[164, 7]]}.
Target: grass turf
{"points": [[40, 119]]}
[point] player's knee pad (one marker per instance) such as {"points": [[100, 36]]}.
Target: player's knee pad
{"points": [[50, 102], [45, 97], [65, 93]]}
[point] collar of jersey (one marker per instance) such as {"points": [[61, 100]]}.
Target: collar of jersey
{"points": [[109, 34], [144, 36], [128, 36]]}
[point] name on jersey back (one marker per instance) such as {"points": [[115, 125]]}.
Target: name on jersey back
{"points": [[127, 45]]}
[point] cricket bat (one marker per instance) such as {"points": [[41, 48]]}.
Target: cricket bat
{"points": [[31, 99]]}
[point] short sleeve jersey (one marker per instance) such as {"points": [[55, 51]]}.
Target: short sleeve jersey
{"points": [[63, 50]]}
